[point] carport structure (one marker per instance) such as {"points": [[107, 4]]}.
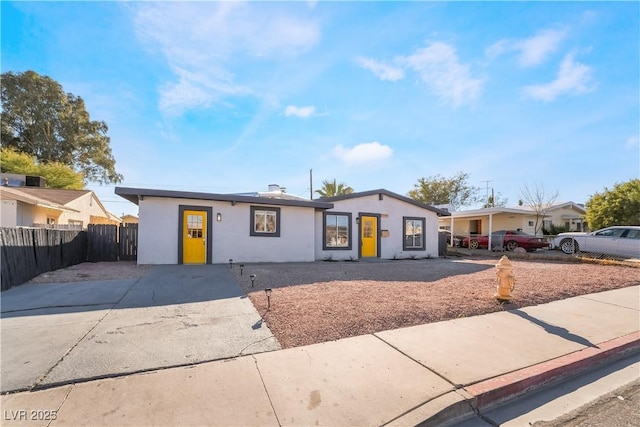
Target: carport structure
{"points": [[486, 221]]}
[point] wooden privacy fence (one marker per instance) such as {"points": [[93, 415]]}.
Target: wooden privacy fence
{"points": [[110, 242], [28, 252], [128, 242]]}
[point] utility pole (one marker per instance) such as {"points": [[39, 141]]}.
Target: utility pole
{"points": [[487, 185], [311, 184]]}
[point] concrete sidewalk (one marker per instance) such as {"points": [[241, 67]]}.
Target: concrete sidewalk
{"points": [[436, 372]]}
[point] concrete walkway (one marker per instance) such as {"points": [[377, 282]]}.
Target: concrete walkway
{"points": [[435, 372], [175, 315]]}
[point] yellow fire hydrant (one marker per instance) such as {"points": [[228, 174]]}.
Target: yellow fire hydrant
{"points": [[506, 279]]}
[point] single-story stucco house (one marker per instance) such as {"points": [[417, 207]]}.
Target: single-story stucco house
{"points": [[177, 227], [52, 208]]}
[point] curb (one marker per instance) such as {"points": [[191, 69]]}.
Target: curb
{"points": [[485, 395]]}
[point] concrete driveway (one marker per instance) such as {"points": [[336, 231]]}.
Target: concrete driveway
{"points": [[175, 315]]}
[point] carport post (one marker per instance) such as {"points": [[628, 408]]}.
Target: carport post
{"points": [[490, 231]]}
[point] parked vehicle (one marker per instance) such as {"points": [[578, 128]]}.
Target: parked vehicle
{"points": [[621, 241], [509, 239]]}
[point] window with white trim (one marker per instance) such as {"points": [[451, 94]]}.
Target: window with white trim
{"points": [[337, 230], [413, 234], [265, 221]]}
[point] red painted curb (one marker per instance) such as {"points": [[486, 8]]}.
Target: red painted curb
{"points": [[491, 392]]}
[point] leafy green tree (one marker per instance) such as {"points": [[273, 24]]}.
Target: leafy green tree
{"points": [[332, 189], [40, 119], [438, 190], [58, 175], [618, 206]]}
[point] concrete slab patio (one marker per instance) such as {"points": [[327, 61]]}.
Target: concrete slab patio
{"points": [[174, 315]]}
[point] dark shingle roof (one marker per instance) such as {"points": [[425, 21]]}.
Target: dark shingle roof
{"points": [[55, 195]]}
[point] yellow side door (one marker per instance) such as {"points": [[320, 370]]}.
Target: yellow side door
{"points": [[194, 237], [369, 235]]}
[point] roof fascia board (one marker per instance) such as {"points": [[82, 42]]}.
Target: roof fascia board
{"points": [[132, 195], [491, 211], [440, 212], [37, 201]]}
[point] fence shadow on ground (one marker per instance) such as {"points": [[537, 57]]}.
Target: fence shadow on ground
{"points": [[162, 285]]}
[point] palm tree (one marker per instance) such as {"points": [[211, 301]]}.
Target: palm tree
{"points": [[331, 189]]}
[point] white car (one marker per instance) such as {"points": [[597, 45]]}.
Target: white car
{"points": [[619, 241]]}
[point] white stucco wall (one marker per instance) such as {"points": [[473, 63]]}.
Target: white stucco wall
{"points": [[392, 212], [27, 215], [158, 231], [16, 214], [87, 205], [568, 214], [8, 214], [230, 238]]}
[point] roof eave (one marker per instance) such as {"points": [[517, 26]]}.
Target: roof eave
{"points": [[135, 194], [439, 212]]}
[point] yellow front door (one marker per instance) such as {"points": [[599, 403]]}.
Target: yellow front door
{"points": [[369, 234], [194, 237]]}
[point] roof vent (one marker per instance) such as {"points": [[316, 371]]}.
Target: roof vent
{"points": [[274, 187]]}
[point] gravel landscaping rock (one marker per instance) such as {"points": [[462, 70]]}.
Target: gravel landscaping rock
{"points": [[324, 301]]}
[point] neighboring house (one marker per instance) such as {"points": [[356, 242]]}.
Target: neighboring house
{"points": [[569, 215], [178, 227], [485, 221], [38, 206], [129, 219]]}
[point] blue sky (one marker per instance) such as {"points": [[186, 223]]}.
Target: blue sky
{"points": [[230, 97]]}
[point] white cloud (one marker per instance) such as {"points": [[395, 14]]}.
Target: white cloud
{"points": [[302, 112], [633, 142], [363, 153], [573, 78], [440, 69], [382, 71], [199, 41], [498, 48], [535, 50], [531, 51]]}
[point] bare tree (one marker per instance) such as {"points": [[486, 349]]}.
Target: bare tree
{"points": [[539, 200]]}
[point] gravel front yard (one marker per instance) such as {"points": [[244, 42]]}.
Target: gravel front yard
{"points": [[324, 301]]}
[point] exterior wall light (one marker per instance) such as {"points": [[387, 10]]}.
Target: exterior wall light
{"points": [[253, 279], [219, 217], [241, 267], [230, 263]]}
